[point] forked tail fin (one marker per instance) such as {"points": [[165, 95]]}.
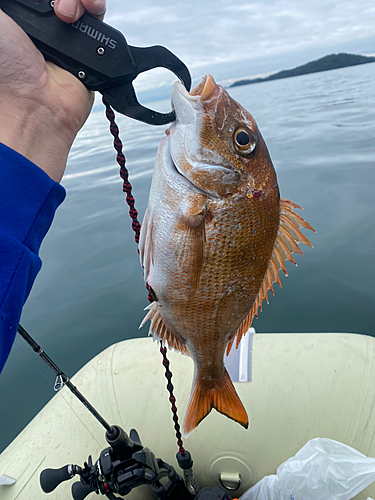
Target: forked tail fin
{"points": [[223, 398]]}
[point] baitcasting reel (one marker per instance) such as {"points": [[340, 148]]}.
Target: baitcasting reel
{"points": [[124, 465]]}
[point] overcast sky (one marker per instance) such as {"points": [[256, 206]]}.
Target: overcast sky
{"points": [[232, 39]]}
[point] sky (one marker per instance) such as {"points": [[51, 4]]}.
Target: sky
{"points": [[232, 40]]}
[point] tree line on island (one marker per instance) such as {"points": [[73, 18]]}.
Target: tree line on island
{"points": [[332, 61]]}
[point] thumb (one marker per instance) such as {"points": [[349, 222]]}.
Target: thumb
{"points": [[69, 11]]}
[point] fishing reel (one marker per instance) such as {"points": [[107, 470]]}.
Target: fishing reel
{"points": [[125, 465]]}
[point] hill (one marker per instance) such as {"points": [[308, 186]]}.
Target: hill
{"points": [[332, 61]]}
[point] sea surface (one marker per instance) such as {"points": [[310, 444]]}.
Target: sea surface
{"points": [[320, 130]]}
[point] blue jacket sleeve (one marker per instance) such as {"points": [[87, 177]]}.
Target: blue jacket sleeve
{"points": [[28, 201]]}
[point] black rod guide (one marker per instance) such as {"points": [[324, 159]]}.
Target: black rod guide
{"points": [[64, 379]]}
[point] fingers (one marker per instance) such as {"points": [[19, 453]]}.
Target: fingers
{"points": [[71, 10], [96, 7]]}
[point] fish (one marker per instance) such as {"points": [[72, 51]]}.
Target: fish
{"points": [[214, 237]]}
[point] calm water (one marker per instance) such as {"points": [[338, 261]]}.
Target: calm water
{"points": [[320, 130]]}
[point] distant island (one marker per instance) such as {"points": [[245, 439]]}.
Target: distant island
{"points": [[332, 61]]}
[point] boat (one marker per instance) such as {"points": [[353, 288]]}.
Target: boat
{"points": [[295, 387]]}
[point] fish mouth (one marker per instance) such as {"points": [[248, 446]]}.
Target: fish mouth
{"points": [[206, 90], [190, 108]]}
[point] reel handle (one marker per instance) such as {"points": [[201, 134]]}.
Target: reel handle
{"points": [[80, 490], [51, 478]]}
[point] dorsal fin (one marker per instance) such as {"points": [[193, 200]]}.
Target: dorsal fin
{"points": [[287, 239], [159, 331]]}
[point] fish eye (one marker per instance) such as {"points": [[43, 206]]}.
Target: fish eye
{"points": [[244, 141]]}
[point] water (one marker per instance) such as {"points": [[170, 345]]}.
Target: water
{"points": [[320, 131]]}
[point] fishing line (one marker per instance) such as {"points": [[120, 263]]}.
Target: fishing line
{"points": [[62, 379], [21, 347], [79, 418]]}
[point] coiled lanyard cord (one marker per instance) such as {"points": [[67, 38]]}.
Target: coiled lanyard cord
{"points": [[136, 226]]}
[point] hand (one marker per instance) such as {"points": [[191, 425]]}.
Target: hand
{"points": [[42, 107]]}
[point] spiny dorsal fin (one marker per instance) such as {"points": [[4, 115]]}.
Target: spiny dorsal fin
{"points": [[159, 330], [287, 239]]}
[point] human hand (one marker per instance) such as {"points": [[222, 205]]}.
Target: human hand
{"points": [[42, 107]]}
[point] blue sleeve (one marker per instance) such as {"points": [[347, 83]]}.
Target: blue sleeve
{"points": [[28, 201]]}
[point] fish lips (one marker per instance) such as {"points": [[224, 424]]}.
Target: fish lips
{"points": [[187, 104]]}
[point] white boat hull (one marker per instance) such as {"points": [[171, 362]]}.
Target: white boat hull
{"points": [[303, 386]]}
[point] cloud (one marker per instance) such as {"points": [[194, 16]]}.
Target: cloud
{"points": [[145, 16], [216, 36]]}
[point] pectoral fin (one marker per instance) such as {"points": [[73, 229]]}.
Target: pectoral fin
{"points": [[189, 238], [188, 241], [145, 246]]}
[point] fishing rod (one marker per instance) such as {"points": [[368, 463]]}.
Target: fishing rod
{"points": [[62, 379], [123, 466]]}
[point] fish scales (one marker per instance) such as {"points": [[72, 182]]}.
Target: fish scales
{"points": [[214, 237]]}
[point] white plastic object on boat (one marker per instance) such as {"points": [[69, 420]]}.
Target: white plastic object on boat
{"points": [[239, 361], [323, 469], [6, 480]]}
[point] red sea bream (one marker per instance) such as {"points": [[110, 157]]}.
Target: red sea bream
{"points": [[214, 237]]}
